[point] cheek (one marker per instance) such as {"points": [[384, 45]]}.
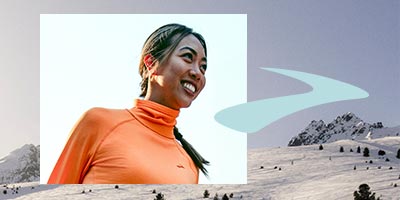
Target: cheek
{"points": [[204, 83]]}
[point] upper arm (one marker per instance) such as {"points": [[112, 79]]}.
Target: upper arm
{"points": [[76, 156]]}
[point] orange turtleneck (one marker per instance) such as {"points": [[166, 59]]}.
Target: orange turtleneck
{"points": [[132, 146]]}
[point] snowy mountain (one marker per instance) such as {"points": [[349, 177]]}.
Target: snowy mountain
{"points": [[302, 172], [347, 126], [21, 165]]}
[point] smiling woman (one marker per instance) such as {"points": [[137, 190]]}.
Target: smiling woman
{"points": [[142, 145]]}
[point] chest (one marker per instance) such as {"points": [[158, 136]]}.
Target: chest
{"points": [[134, 154]]}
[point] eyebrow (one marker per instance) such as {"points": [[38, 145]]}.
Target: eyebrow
{"points": [[193, 51]]}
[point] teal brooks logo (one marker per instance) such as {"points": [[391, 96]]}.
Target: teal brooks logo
{"points": [[252, 116]]}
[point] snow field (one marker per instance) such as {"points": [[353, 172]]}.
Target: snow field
{"points": [[311, 176]]}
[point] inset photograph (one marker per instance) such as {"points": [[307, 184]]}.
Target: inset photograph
{"points": [[131, 99]]}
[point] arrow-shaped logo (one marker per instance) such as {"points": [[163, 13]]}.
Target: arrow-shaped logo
{"points": [[252, 116]]}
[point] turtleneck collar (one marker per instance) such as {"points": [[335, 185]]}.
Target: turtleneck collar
{"points": [[157, 117]]}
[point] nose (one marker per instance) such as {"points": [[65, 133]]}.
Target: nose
{"points": [[195, 73]]}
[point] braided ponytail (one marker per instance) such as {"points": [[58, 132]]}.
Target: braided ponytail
{"points": [[198, 160]]}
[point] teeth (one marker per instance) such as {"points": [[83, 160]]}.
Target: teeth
{"points": [[189, 86]]}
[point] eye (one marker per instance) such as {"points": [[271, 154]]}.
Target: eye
{"points": [[203, 68], [188, 57]]}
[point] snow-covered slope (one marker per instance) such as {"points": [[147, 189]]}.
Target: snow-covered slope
{"points": [[303, 172], [328, 173], [21, 165], [347, 126]]}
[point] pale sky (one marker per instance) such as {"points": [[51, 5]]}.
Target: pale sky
{"points": [[92, 61]]}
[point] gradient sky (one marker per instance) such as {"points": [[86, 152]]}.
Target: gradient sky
{"points": [[352, 41]]}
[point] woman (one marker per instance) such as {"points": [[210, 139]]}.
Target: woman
{"points": [[138, 145]]}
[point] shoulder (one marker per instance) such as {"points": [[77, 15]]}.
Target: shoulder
{"points": [[98, 115], [98, 118], [97, 121]]}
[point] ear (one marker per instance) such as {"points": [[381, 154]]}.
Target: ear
{"points": [[148, 61]]}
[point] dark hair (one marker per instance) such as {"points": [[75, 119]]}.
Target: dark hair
{"points": [[160, 44]]}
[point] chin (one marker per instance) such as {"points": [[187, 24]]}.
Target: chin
{"points": [[185, 104]]}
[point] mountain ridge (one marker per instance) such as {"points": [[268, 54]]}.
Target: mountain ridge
{"points": [[346, 126], [21, 165]]}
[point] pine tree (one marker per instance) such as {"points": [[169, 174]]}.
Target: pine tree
{"points": [[398, 154], [381, 152], [366, 152], [160, 196], [341, 149], [206, 194], [321, 147], [358, 149], [363, 193]]}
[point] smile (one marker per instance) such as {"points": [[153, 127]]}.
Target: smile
{"points": [[189, 86]]}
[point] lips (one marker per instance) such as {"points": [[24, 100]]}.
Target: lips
{"points": [[189, 86]]}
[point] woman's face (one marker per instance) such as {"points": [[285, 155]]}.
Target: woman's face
{"points": [[178, 80]]}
